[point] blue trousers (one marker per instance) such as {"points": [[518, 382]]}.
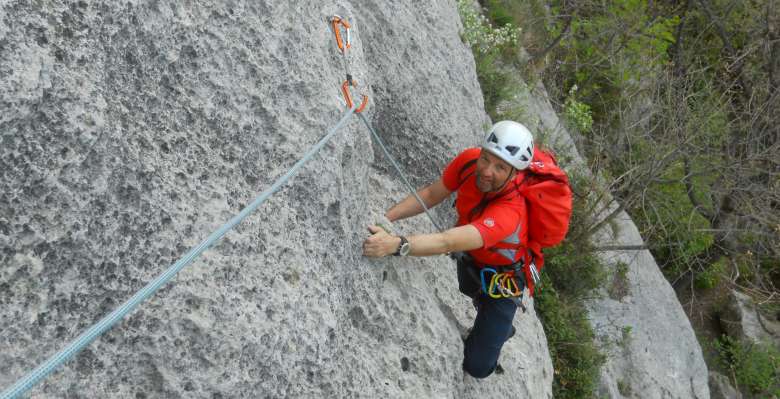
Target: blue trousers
{"points": [[491, 329]]}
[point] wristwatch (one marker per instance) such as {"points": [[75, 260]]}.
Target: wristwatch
{"points": [[404, 248]]}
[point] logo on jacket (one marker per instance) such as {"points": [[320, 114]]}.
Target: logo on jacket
{"points": [[489, 222]]}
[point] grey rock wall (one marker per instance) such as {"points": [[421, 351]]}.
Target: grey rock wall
{"points": [[720, 387], [743, 320], [131, 130]]}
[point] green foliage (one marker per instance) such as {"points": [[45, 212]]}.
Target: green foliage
{"points": [[490, 45], [570, 339], [498, 14], [624, 388], [570, 272], [577, 114], [711, 277], [625, 336], [643, 39], [575, 270], [481, 35], [707, 115], [608, 48], [754, 366], [684, 234], [493, 82], [530, 14], [619, 287]]}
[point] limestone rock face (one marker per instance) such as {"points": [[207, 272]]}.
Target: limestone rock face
{"points": [[743, 320], [129, 131], [653, 349], [720, 387]]}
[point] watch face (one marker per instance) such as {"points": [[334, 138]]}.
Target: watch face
{"points": [[405, 249]]}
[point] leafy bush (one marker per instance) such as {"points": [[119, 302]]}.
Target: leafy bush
{"points": [[573, 269], [530, 14], [710, 277], [620, 284], [570, 273], [481, 35], [577, 114], [679, 234], [493, 82], [570, 339], [755, 367]]}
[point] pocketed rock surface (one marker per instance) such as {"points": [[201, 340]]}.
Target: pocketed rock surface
{"points": [[129, 131]]}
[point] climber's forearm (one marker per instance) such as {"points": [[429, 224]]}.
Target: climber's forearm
{"points": [[462, 238], [432, 195], [408, 207]]}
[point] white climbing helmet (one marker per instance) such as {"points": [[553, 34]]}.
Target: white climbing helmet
{"points": [[511, 142]]}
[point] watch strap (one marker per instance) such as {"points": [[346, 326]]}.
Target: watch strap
{"points": [[400, 245]]}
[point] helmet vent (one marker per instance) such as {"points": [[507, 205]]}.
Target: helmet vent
{"points": [[512, 149], [493, 138]]}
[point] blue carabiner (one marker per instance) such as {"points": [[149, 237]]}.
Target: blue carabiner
{"points": [[482, 277]]}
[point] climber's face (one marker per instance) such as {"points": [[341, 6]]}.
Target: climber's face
{"points": [[492, 172]]}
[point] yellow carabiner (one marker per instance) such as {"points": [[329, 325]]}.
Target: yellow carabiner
{"points": [[493, 283]]}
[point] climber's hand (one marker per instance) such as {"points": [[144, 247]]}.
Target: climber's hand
{"points": [[380, 243]]}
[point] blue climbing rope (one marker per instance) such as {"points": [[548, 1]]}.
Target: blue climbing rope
{"points": [[42, 371]]}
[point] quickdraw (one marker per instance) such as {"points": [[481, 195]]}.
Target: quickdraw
{"points": [[337, 23]]}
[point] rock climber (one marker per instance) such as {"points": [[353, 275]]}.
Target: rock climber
{"points": [[491, 231]]}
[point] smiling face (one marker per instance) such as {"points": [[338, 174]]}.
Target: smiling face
{"points": [[492, 172]]}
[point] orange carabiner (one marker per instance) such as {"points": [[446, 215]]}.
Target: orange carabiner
{"points": [[336, 21], [348, 97]]}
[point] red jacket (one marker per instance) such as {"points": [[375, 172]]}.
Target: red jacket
{"points": [[502, 223]]}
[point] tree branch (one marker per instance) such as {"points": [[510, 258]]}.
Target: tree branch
{"points": [[773, 41], [677, 55], [555, 42], [724, 37], [622, 248], [606, 220], [708, 214]]}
